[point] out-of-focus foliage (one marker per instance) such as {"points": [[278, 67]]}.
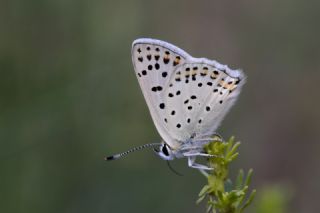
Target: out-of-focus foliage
{"points": [[273, 198]]}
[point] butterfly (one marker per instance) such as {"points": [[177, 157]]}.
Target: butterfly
{"points": [[187, 98]]}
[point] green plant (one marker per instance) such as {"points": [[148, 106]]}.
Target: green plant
{"points": [[223, 196], [273, 198]]}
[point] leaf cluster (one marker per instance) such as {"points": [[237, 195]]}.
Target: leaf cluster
{"points": [[224, 196]]}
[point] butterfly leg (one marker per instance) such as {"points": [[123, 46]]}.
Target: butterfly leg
{"points": [[212, 137], [205, 140], [191, 154], [193, 164]]}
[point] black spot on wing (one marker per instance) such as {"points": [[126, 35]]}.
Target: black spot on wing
{"points": [[156, 88], [162, 106], [166, 60], [164, 74]]}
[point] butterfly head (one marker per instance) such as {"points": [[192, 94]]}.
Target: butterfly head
{"points": [[165, 152]]}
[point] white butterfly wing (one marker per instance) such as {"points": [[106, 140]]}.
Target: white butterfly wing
{"points": [[154, 63], [186, 96], [206, 91]]}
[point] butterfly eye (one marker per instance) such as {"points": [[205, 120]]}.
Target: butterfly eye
{"points": [[165, 150]]}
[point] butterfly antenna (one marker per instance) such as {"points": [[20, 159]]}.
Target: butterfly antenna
{"points": [[116, 156], [172, 169]]}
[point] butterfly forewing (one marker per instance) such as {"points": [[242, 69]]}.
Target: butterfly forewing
{"points": [[154, 63]]}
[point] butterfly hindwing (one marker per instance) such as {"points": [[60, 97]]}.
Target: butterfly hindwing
{"points": [[198, 97]]}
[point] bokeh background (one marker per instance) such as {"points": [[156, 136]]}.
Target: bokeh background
{"points": [[69, 96]]}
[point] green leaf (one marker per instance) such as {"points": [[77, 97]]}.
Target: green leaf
{"points": [[248, 179], [239, 179], [249, 201], [204, 190], [200, 199]]}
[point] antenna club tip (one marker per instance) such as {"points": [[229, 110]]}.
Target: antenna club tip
{"points": [[109, 158]]}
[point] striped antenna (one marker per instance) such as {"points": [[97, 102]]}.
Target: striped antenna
{"points": [[116, 156]]}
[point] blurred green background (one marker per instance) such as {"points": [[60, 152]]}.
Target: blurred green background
{"points": [[69, 96]]}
